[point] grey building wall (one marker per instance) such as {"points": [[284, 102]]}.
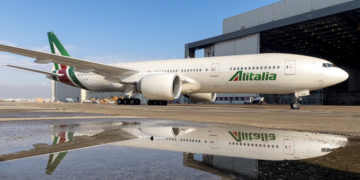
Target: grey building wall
{"points": [[245, 45], [276, 11], [62, 91]]}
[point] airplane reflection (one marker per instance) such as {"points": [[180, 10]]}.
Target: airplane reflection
{"points": [[225, 141]]}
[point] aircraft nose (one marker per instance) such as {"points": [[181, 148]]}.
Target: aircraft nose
{"points": [[333, 76], [342, 75]]}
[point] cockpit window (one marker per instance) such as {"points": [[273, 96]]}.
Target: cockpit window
{"points": [[327, 65], [326, 150]]}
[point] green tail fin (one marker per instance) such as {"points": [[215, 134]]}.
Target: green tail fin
{"points": [[57, 48]]}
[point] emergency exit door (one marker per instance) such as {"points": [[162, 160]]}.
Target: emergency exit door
{"points": [[289, 146], [214, 71], [290, 67], [213, 141]]}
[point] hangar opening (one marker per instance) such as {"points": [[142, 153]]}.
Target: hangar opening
{"points": [[334, 38], [324, 29]]}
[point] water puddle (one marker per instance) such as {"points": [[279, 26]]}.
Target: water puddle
{"points": [[161, 149]]}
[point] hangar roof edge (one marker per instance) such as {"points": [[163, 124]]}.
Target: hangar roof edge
{"points": [[340, 8]]}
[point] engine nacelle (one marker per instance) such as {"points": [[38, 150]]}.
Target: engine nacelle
{"points": [[203, 97], [160, 86]]}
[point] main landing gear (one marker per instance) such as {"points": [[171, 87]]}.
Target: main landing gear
{"points": [[157, 102], [128, 101]]}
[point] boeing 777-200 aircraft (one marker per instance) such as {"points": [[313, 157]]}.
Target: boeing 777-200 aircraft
{"points": [[200, 79]]}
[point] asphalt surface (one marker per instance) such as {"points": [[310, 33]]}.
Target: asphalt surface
{"points": [[344, 120]]}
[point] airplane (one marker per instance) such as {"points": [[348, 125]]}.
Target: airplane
{"points": [[229, 141], [199, 79]]}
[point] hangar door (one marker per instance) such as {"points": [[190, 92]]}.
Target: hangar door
{"points": [[290, 67]]}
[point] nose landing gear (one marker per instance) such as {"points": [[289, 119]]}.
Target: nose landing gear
{"points": [[295, 104]]}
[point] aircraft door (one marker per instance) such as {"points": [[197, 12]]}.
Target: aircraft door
{"points": [[290, 67], [214, 70], [289, 146], [213, 141]]}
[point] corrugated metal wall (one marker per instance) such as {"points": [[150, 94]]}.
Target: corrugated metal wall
{"points": [[276, 11], [63, 91], [245, 45]]}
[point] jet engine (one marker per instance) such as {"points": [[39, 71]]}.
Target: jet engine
{"points": [[160, 86], [203, 97]]}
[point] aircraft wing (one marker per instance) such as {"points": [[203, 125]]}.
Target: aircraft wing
{"points": [[111, 72]]}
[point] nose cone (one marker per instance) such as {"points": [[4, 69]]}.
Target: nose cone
{"points": [[342, 75], [334, 76]]}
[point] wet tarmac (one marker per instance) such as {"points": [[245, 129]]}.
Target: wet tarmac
{"points": [[113, 148]]}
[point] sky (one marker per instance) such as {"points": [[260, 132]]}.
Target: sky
{"points": [[105, 31]]}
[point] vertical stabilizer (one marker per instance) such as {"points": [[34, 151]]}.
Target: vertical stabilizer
{"points": [[57, 48]]}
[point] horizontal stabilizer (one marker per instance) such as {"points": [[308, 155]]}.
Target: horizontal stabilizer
{"points": [[34, 70]]}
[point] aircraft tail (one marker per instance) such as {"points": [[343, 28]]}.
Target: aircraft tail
{"points": [[58, 49]]}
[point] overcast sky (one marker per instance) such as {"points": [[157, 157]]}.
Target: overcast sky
{"points": [[105, 31]]}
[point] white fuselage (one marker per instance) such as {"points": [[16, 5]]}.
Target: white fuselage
{"points": [[233, 141], [258, 73], [245, 142]]}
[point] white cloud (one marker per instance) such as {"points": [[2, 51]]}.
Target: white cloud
{"points": [[7, 43]]}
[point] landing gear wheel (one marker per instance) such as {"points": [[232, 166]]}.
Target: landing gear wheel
{"points": [[295, 106], [157, 103], [137, 101], [164, 103], [126, 101], [150, 102], [296, 103], [132, 101], [119, 101]]}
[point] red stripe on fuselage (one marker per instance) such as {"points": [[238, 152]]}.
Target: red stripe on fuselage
{"points": [[65, 79], [63, 66]]}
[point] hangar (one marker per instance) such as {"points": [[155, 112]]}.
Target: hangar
{"points": [[326, 29]]}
